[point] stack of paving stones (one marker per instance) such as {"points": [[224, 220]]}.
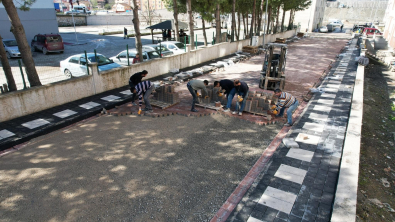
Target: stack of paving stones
{"points": [[259, 102], [166, 94], [298, 184]]}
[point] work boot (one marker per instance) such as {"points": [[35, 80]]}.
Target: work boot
{"points": [[240, 113], [234, 112], [287, 124], [194, 110], [149, 111], [146, 109]]}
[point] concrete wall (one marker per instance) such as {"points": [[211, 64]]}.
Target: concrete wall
{"points": [[389, 19], [312, 17], [110, 19], [24, 102], [67, 20], [41, 18]]}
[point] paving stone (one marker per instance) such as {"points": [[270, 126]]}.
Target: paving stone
{"points": [[293, 218]]}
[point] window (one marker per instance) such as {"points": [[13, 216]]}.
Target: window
{"points": [[153, 55], [10, 43], [74, 60], [122, 55], [54, 38], [82, 61], [172, 47]]}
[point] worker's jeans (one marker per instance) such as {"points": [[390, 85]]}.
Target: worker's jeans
{"points": [[194, 96], [243, 103], [230, 98], [146, 95], [289, 111]]}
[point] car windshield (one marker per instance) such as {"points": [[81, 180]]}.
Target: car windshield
{"points": [[54, 38], [10, 43], [180, 45], [101, 60], [158, 48], [153, 54]]}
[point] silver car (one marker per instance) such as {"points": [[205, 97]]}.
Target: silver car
{"points": [[11, 48], [122, 58]]}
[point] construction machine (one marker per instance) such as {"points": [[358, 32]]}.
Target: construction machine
{"points": [[272, 75]]}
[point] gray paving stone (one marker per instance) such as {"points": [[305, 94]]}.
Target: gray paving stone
{"points": [[270, 214], [293, 218]]}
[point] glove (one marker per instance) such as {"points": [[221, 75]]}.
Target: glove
{"points": [[220, 94], [197, 94], [240, 99], [275, 112], [274, 107], [139, 112], [206, 97]]}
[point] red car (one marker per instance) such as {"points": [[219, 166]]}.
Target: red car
{"points": [[47, 43], [369, 32]]}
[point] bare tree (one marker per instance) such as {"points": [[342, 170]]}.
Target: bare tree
{"points": [[20, 36], [6, 67], [233, 20], [176, 19], [136, 24], [252, 20], [218, 25]]}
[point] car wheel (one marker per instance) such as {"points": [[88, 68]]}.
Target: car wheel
{"points": [[34, 49], [68, 73], [61, 52], [8, 55], [45, 51]]}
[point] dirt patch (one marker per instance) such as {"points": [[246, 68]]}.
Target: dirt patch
{"points": [[376, 190]]}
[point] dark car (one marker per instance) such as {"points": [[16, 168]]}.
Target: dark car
{"points": [[161, 49], [47, 43]]}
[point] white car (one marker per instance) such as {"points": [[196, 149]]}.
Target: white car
{"points": [[176, 47], [323, 29], [336, 23], [122, 58], [76, 65], [11, 48]]}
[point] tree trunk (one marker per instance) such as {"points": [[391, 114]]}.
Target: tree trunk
{"points": [[244, 25], [175, 14], [218, 24], [24, 48], [191, 25], [291, 19], [136, 24], [233, 20], [239, 24], [260, 16], [277, 18], [256, 24], [282, 20], [269, 15], [7, 68], [204, 32], [252, 20]]}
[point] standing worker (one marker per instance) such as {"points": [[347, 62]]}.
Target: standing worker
{"points": [[144, 89], [341, 28], [285, 100], [125, 33], [193, 86], [134, 80]]}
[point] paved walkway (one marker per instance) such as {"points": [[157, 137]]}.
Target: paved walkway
{"points": [[298, 184]]}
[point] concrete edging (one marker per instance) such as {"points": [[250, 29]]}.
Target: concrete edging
{"points": [[345, 204]]}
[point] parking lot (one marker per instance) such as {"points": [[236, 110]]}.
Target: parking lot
{"points": [[86, 38]]}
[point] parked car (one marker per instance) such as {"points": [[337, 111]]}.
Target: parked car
{"points": [[11, 48], [369, 32], [75, 65], [323, 29], [174, 46], [336, 23], [161, 49], [122, 59], [47, 43]]}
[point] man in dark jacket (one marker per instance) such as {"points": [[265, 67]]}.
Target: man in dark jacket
{"points": [[241, 88], [134, 80], [226, 85]]}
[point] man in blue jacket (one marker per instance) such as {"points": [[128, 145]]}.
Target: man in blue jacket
{"points": [[241, 88]]}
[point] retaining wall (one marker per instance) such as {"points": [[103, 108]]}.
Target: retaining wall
{"points": [[24, 102], [67, 20]]}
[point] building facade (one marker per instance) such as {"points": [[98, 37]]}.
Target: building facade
{"points": [[41, 18], [312, 17], [153, 4], [389, 19]]}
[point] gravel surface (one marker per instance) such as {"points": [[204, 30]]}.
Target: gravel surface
{"points": [[131, 169]]}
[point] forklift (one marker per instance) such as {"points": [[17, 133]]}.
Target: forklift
{"points": [[272, 75]]}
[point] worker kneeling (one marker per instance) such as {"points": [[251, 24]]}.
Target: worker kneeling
{"points": [[285, 100]]}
